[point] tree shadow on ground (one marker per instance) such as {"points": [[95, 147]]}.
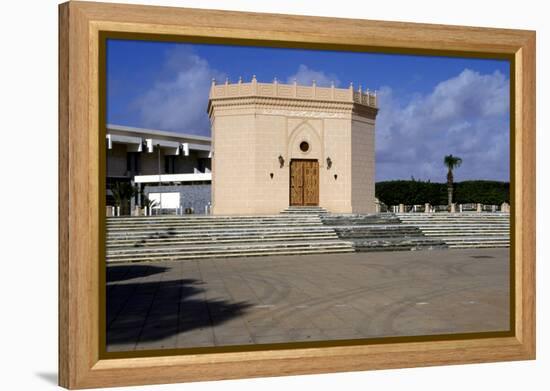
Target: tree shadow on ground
{"points": [[155, 311], [118, 273]]}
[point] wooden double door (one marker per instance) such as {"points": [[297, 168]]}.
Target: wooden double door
{"points": [[304, 182]]}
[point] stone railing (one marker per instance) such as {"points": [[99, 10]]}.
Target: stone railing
{"points": [[292, 91], [455, 208]]}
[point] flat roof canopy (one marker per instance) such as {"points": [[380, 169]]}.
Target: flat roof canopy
{"points": [[199, 177]]}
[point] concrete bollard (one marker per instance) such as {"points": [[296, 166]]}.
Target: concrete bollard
{"points": [[460, 208], [427, 207], [453, 208], [401, 208], [478, 208]]}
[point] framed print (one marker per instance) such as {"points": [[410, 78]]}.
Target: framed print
{"points": [[247, 195]]}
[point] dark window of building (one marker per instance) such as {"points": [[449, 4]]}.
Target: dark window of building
{"points": [[203, 164], [133, 163], [170, 164]]}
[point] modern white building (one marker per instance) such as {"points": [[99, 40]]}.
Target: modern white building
{"points": [[170, 168]]}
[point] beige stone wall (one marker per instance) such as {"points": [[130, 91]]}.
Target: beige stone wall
{"points": [[269, 195], [336, 191], [362, 165], [250, 132], [233, 163], [246, 151]]}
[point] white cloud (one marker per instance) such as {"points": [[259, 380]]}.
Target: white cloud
{"points": [[467, 115], [305, 76], [178, 100]]}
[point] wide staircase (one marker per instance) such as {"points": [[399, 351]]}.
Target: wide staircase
{"points": [[380, 232], [463, 230], [132, 239]]}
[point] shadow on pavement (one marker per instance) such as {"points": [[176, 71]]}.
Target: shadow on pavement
{"points": [[127, 272], [157, 310]]}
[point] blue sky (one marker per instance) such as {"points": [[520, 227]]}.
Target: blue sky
{"points": [[429, 106]]}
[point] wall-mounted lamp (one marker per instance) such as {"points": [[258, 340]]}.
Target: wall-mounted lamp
{"points": [[271, 175], [329, 163], [335, 176], [281, 161]]}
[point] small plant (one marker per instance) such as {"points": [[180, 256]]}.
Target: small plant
{"points": [[148, 203]]}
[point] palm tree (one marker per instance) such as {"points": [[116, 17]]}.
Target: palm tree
{"points": [[122, 195], [451, 162]]}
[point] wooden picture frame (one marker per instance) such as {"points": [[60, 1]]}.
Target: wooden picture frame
{"points": [[80, 166]]}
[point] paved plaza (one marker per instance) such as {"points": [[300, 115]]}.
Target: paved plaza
{"points": [[258, 300]]}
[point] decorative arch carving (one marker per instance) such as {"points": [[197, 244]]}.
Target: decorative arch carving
{"points": [[307, 131]]}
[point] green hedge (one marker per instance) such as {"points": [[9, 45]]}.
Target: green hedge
{"points": [[415, 192]]}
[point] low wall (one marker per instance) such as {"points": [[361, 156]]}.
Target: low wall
{"points": [[191, 196]]}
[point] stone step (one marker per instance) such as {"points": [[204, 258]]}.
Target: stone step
{"points": [[469, 221], [442, 214], [455, 218], [503, 218], [374, 227], [199, 217], [302, 213], [354, 223], [480, 245], [199, 220], [398, 244], [194, 252], [465, 221], [462, 227], [215, 240], [294, 219], [304, 210], [468, 233], [218, 226], [398, 248], [257, 253], [458, 226], [450, 215], [392, 233], [392, 247], [180, 233], [475, 239], [235, 247]]}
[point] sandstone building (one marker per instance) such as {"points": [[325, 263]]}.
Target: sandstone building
{"points": [[276, 145]]}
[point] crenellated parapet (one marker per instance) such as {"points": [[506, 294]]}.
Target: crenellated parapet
{"points": [[292, 91]]}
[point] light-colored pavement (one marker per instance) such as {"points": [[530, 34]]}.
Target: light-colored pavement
{"points": [[221, 302]]}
